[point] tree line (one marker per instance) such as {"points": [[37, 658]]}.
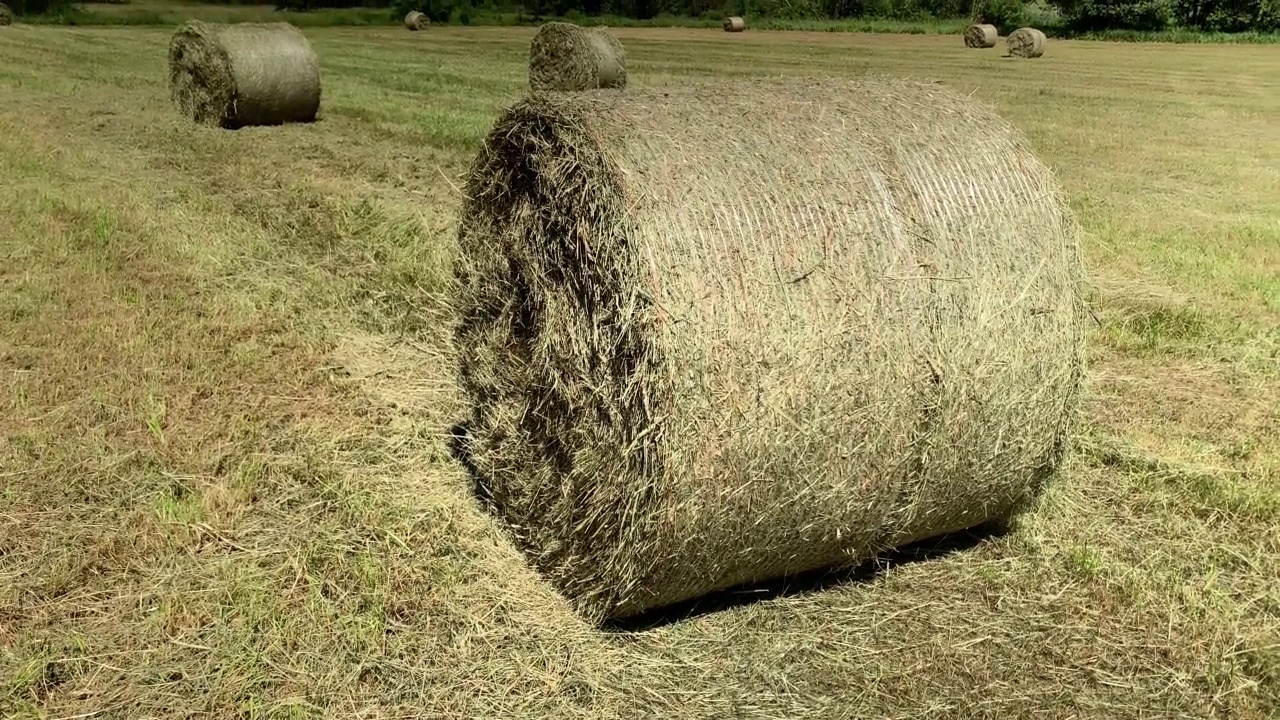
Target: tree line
{"points": [[1060, 15], [1051, 15]]}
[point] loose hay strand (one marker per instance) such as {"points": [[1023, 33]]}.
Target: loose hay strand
{"points": [[1026, 43], [244, 74], [981, 36], [564, 56], [714, 335]]}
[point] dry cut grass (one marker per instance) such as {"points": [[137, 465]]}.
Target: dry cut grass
{"points": [[726, 357], [225, 394]]}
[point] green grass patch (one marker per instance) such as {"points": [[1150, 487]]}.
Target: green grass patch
{"points": [[1176, 35], [1208, 490], [1156, 330]]}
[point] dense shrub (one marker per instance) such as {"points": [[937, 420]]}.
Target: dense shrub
{"points": [[777, 9], [38, 7], [1040, 14], [1087, 15], [1006, 15], [1228, 15], [1077, 15], [318, 4]]}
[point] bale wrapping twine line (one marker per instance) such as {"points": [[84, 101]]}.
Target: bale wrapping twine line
{"points": [[721, 333], [564, 56], [981, 36], [415, 20], [245, 74], [735, 24], [1026, 43]]}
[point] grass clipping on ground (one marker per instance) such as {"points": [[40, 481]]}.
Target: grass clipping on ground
{"points": [[245, 74], [564, 56], [1026, 43], [713, 335], [981, 36]]}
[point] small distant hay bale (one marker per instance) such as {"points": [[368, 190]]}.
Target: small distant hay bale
{"points": [[1026, 43], [6, 15], [981, 36], [564, 56], [246, 74], [415, 20], [707, 340], [735, 24]]}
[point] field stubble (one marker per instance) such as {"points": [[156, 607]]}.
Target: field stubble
{"points": [[225, 395]]}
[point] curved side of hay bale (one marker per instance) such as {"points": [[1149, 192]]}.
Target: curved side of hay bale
{"points": [[716, 334], [564, 56], [414, 20], [981, 36], [735, 24], [6, 15], [1026, 43], [246, 74]]}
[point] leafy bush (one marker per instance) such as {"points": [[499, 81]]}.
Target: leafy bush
{"points": [[39, 7], [1089, 15], [1006, 15], [1040, 14], [1228, 15]]}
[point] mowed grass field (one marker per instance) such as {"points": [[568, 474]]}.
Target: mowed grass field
{"points": [[226, 388]]}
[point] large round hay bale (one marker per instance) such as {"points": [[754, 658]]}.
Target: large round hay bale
{"points": [[1026, 43], [735, 24], [564, 56], [6, 15], [244, 74], [981, 36], [726, 332], [414, 20]]}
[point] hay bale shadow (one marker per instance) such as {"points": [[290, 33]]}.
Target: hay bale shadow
{"points": [[460, 448], [788, 586], [811, 582]]}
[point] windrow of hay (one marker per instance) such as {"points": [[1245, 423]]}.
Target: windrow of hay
{"points": [[415, 20], [981, 36], [6, 15], [564, 56], [244, 74], [735, 24], [726, 332], [1026, 43]]}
